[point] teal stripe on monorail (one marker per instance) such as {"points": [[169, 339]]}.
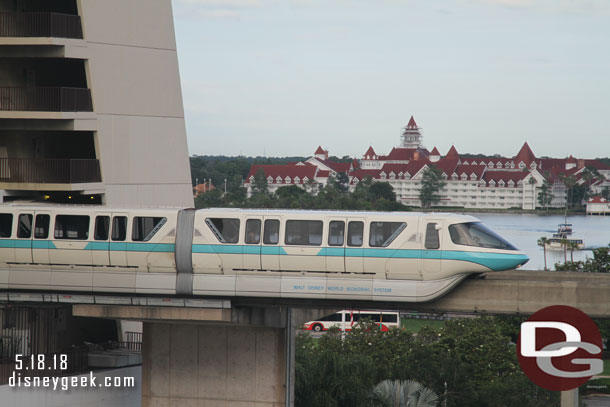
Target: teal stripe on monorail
{"points": [[43, 244], [238, 249], [494, 261], [131, 247]]}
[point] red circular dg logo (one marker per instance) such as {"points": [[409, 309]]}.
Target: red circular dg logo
{"points": [[559, 348]]}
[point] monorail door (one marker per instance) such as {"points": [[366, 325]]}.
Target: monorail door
{"points": [[431, 251], [270, 250], [118, 240], [354, 253], [335, 252], [252, 243], [41, 243]]}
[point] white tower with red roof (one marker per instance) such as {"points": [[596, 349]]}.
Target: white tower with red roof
{"points": [[411, 136]]}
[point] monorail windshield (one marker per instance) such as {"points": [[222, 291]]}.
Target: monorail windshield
{"points": [[478, 235]]}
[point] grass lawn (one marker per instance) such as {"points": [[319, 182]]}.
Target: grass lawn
{"points": [[414, 325]]}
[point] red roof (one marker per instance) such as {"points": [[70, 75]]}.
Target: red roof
{"points": [[322, 174], [598, 165], [446, 165], [370, 152], [360, 174], [404, 154], [597, 200], [284, 171], [452, 154], [337, 167], [505, 176], [355, 164], [435, 151], [525, 154], [412, 124], [468, 169], [320, 150], [412, 168]]}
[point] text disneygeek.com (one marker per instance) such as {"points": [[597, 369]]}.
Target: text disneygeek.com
{"points": [[65, 382], [45, 364]]}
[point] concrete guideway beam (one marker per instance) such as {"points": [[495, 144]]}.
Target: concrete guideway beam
{"points": [[525, 292]]}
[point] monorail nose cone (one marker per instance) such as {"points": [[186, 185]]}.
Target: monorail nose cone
{"points": [[522, 259]]}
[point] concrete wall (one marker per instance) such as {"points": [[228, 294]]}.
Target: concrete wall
{"points": [[133, 75], [212, 366]]}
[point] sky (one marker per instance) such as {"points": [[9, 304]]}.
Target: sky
{"points": [[280, 77]]}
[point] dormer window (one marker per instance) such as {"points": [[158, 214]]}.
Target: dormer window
{"points": [[511, 183], [499, 165], [490, 165], [465, 163], [444, 176], [512, 164], [269, 179], [297, 180], [520, 182], [533, 166], [454, 176], [482, 163], [492, 183], [355, 180], [278, 180], [407, 175], [252, 179], [501, 183], [400, 174], [382, 175], [522, 165], [392, 175], [464, 177], [305, 179], [287, 180], [482, 183], [473, 176]]}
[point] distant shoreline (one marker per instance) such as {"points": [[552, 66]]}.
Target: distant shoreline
{"points": [[539, 212]]}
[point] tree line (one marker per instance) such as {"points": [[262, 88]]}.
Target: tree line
{"points": [[468, 362]]}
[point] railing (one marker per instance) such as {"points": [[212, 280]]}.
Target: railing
{"points": [[40, 25], [46, 99], [52, 171]]}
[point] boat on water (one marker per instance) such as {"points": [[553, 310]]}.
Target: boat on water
{"points": [[561, 239], [558, 240], [564, 228]]}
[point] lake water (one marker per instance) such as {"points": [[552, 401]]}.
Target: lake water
{"points": [[523, 231]]}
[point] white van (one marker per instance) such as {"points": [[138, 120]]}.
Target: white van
{"points": [[346, 319]]}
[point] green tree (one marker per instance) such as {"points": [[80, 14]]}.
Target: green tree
{"points": [[570, 182], [545, 196], [260, 184], [571, 246], [543, 241], [431, 183], [382, 190], [407, 393]]}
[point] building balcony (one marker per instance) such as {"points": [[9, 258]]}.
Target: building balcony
{"points": [[40, 25], [48, 171], [45, 99]]}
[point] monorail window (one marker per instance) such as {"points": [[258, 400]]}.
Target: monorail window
{"points": [[72, 227], [24, 231], [145, 227], [432, 237], [336, 232], [384, 233], [272, 231], [102, 227], [226, 230], [6, 224], [478, 235], [119, 228], [41, 228], [355, 233], [389, 318], [303, 232], [253, 231]]}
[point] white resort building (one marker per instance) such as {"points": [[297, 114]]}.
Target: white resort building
{"points": [[471, 181]]}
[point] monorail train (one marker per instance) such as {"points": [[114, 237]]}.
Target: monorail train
{"points": [[398, 256]]}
